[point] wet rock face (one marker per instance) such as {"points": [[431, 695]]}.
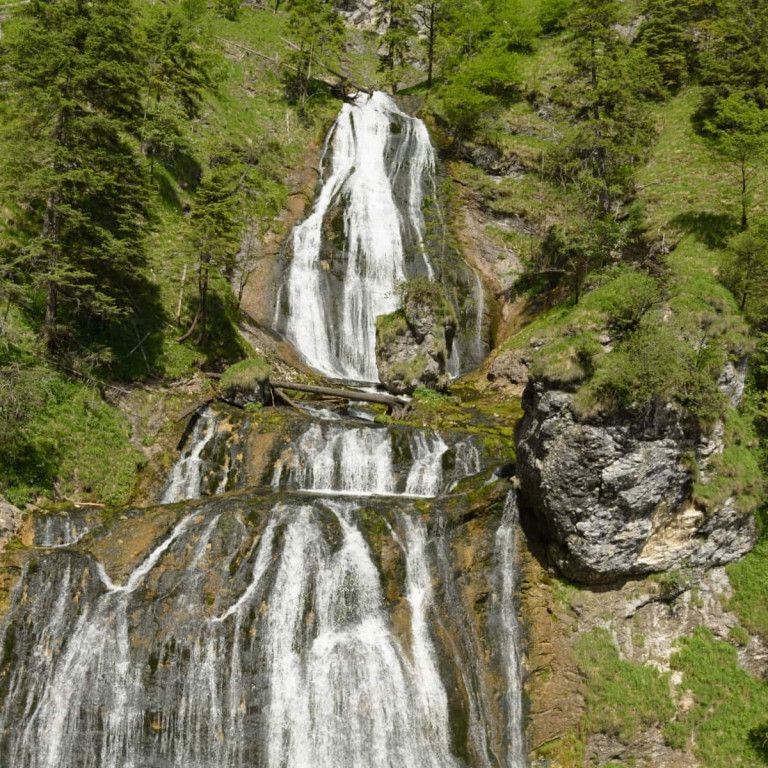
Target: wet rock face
{"points": [[149, 661], [412, 346], [613, 496]]}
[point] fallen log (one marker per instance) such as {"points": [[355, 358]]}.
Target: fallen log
{"points": [[347, 394]]}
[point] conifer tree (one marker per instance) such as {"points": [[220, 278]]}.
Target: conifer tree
{"points": [[666, 39], [595, 44], [216, 228], [397, 17], [74, 78], [317, 33]]}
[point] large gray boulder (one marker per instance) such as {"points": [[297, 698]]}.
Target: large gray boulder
{"points": [[613, 495]]}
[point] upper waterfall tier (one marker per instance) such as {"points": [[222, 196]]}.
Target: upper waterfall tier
{"points": [[365, 235]]}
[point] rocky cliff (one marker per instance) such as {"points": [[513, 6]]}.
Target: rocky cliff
{"points": [[613, 495]]}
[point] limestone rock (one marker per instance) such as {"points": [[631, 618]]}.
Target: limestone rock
{"points": [[360, 13], [10, 522], [509, 370], [412, 344], [613, 495]]}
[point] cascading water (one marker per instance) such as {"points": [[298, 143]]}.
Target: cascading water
{"points": [[318, 615], [380, 167], [508, 569]]}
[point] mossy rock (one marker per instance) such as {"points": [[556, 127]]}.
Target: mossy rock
{"points": [[246, 382]]}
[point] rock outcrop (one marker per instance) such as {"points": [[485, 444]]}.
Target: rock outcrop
{"points": [[10, 522], [613, 495], [413, 344]]}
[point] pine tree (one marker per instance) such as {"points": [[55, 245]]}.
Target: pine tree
{"points": [[216, 228], [74, 76], [397, 17], [738, 133], [178, 59], [737, 58], [594, 49], [667, 40], [430, 16], [745, 271], [317, 34]]}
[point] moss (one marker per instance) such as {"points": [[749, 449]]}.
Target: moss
{"points": [[247, 375], [391, 327]]}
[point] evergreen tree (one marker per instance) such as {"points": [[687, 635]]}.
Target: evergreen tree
{"points": [[397, 17], [229, 9], [736, 60], [74, 78], [430, 17], [738, 132], [317, 34], [667, 40], [594, 50], [745, 271], [216, 227], [178, 59]]}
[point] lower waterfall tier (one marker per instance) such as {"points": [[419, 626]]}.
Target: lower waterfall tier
{"points": [[260, 631]]}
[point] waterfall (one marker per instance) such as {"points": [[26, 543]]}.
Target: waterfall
{"points": [[334, 460], [508, 569], [325, 613], [208, 461], [379, 161]]}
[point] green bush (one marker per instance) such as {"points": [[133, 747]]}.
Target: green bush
{"points": [[567, 361]]}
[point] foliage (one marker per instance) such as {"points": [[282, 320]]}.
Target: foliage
{"points": [[622, 698], [216, 229], [74, 80], [727, 703], [736, 472], [758, 737], [246, 375], [748, 578], [568, 361], [481, 48], [735, 60], [69, 438], [317, 32], [738, 132], [657, 363], [745, 271], [396, 16]]}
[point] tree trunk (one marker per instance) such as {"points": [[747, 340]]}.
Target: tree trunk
{"points": [[51, 236], [744, 222], [431, 44]]}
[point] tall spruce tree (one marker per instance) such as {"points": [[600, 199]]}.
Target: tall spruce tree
{"points": [[317, 34], [216, 228], [73, 71], [397, 18]]}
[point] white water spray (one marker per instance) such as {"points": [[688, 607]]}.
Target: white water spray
{"points": [[377, 197]]}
